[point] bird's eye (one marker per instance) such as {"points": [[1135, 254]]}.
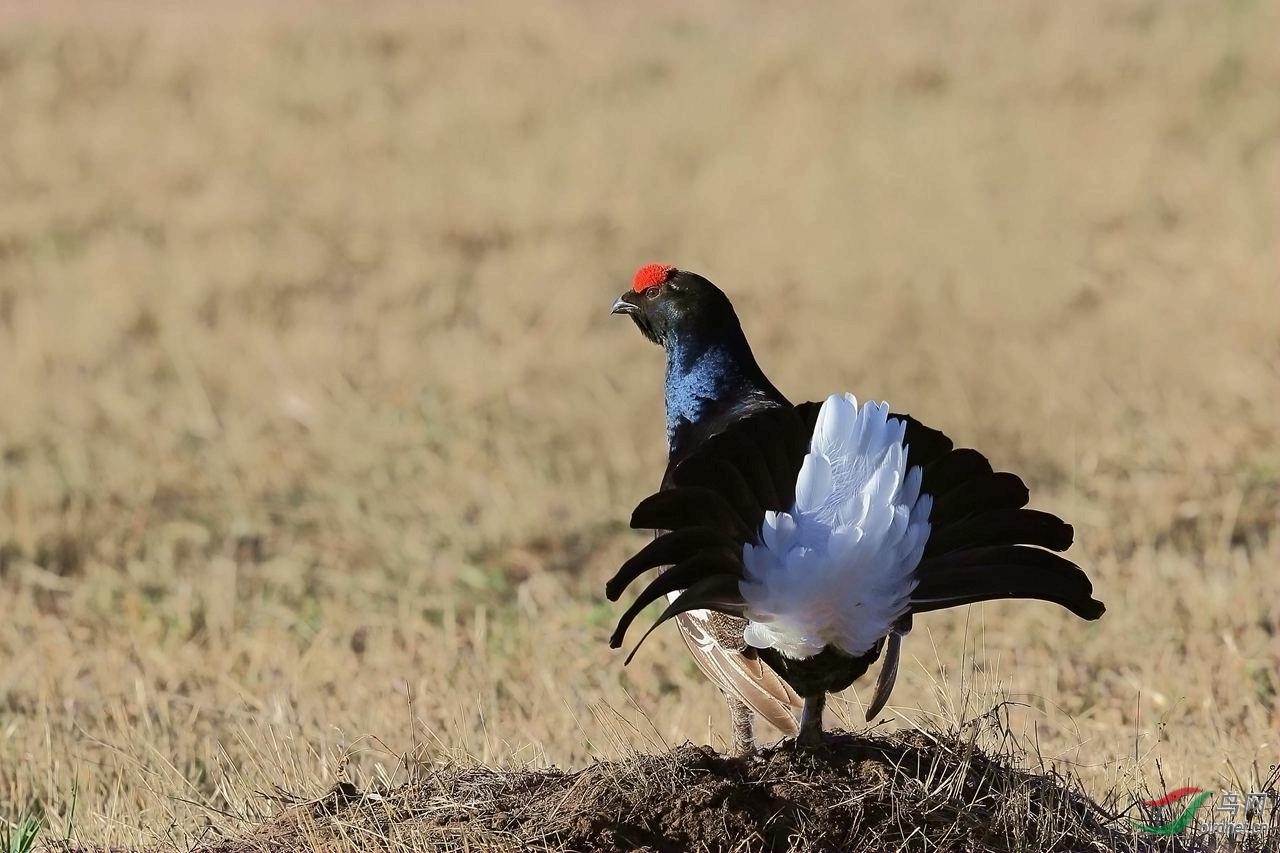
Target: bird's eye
{"points": [[651, 292]]}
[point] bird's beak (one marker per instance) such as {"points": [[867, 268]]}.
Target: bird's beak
{"points": [[623, 305]]}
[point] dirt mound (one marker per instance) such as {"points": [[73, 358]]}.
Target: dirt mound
{"points": [[911, 791]]}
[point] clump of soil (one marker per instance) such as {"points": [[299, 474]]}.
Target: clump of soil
{"points": [[905, 791]]}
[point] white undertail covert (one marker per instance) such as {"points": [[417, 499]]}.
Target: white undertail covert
{"points": [[839, 568]]}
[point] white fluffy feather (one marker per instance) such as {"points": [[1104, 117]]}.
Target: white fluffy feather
{"points": [[839, 568]]}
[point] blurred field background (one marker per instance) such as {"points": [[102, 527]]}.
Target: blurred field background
{"points": [[317, 442]]}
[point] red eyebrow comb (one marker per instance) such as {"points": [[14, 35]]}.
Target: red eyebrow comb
{"points": [[650, 275]]}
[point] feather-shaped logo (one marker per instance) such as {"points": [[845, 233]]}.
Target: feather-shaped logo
{"points": [[1183, 820]]}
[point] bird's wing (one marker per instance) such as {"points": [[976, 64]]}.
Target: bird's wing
{"points": [[712, 503], [740, 675]]}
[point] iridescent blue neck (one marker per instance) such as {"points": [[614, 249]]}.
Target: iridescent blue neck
{"points": [[706, 381]]}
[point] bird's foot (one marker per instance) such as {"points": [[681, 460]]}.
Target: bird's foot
{"points": [[810, 738], [809, 756]]}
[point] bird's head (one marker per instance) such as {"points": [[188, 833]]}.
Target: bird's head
{"points": [[670, 305]]}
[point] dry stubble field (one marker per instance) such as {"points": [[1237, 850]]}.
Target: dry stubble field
{"points": [[317, 442]]}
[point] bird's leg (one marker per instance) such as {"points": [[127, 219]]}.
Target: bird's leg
{"points": [[811, 722], [744, 742]]}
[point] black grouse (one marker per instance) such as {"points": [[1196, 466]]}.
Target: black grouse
{"points": [[800, 540]]}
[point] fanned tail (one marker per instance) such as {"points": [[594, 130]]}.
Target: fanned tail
{"points": [[984, 544], [1003, 571]]}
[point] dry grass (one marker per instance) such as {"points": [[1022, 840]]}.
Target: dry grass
{"points": [[316, 442]]}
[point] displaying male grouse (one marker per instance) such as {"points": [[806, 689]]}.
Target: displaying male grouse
{"points": [[805, 538]]}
